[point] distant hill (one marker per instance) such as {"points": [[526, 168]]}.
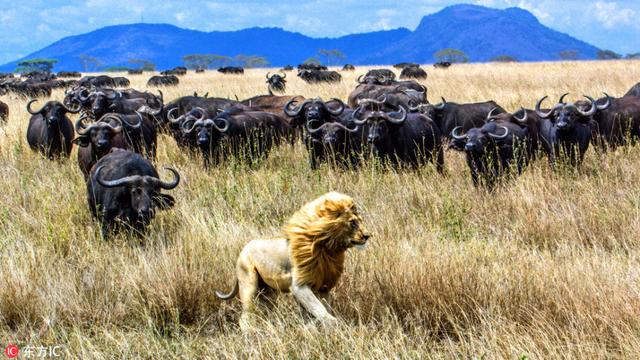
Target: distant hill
{"points": [[482, 33]]}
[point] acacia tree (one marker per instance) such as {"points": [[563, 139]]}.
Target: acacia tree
{"points": [[43, 65], [144, 65], [89, 63], [504, 58], [568, 55], [198, 61], [251, 61], [332, 57], [451, 55], [312, 60], [608, 55]]}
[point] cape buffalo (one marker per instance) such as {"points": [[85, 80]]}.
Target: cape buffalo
{"points": [[568, 128], [276, 83], [69, 74], [163, 80], [231, 70], [312, 67], [4, 112], [442, 65], [318, 76], [123, 186], [448, 115], [402, 138], [248, 135], [617, 120], [493, 148], [348, 67], [177, 71], [315, 113], [50, 131], [96, 140], [413, 72], [634, 91]]}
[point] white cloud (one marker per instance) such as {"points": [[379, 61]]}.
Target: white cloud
{"points": [[610, 15]]}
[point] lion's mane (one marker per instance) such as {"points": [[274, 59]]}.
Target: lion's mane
{"points": [[317, 240]]}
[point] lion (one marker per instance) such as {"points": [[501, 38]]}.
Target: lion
{"points": [[308, 261]]}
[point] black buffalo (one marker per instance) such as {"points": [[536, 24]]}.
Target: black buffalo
{"points": [[69, 74], [163, 80], [378, 77], [50, 131], [339, 141], [567, 128], [134, 71], [174, 113], [120, 81], [312, 67], [617, 121], [245, 135], [634, 91], [403, 65], [318, 76], [494, 148], [348, 67], [177, 71], [231, 70], [413, 72], [287, 68], [101, 81], [402, 138], [402, 93], [125, 189], [276, 83], [315, 113], [4, 112], [442, 65], [448, 115], [96, 140]]}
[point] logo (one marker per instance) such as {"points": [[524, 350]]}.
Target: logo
{"points": [[11, 351]]}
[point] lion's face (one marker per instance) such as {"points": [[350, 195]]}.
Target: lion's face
{"points": [[359, 234]]}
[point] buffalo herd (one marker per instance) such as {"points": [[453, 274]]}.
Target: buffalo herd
{"points": [[384, 120]]}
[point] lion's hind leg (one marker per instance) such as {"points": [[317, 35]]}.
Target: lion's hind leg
{"points": [[248, 290]]}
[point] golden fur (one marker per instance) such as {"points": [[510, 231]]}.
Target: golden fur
{"points": [[318, 236], [309, 261]]}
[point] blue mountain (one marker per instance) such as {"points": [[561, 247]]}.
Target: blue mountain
{"points": [[482, 33]]}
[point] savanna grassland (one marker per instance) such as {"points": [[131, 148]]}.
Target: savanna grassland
{"points": [[546, 266]]}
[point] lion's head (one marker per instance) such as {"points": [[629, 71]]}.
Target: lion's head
{"points": [[319, 234]]}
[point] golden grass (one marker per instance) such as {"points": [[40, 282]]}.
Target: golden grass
{"points": [[547, 266]]}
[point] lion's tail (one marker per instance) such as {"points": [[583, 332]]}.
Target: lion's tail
{"points": [[229, 296]]}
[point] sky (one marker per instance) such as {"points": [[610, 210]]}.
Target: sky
{"points": [[29, 25]]}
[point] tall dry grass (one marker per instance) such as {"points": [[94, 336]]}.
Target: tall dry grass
{"points": [[547, 266]]}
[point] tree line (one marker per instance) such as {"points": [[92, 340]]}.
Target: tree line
{"points": [[329, 57]]}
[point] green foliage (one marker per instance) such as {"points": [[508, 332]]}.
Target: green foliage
{"points": [[251, 61], [451, 55], [568, 55], [144, 65], [39, 64], [312, 60], [199, 61], [89, 63], [504, 58], [608, 55], [332, 57]]}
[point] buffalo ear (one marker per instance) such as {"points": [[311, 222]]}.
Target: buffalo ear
{"points": [[82, 141], [164, 201]]}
